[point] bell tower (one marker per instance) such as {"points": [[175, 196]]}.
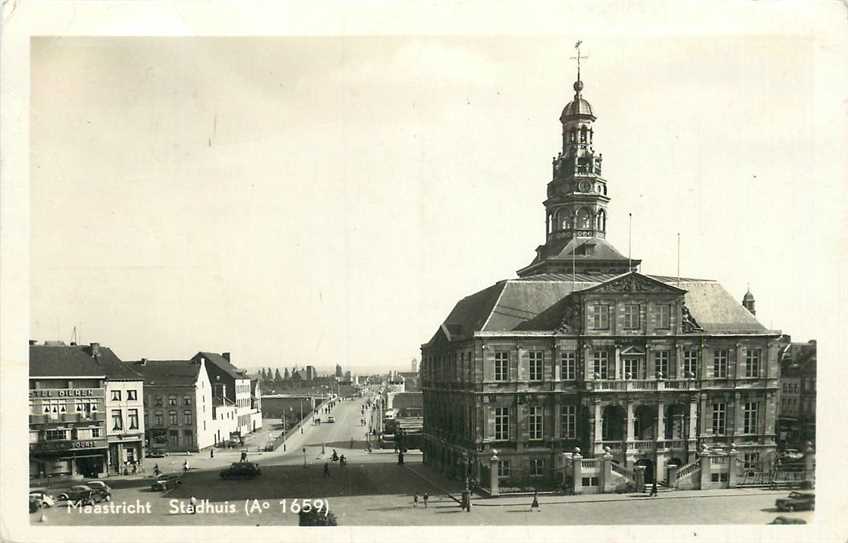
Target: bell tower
{"points": [[576, 204]]}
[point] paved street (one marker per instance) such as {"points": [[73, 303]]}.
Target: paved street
{"points": [[374, 490]]}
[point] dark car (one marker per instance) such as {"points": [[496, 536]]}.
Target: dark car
{"points": [[166, 482], [788, 520], [41, 498], [155, 453], [241, 470], [796, 501], [101, 490], [80, 495]]}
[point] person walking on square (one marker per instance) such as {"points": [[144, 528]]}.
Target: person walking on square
{"points": [[535, 505], [653, 489], [415, 500], [211, 452], [426, 499], [326, 469], [193, 501], [185, 466]]}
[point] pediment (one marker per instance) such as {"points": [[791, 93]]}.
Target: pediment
{"points": [[634, 282], [632, 350]]}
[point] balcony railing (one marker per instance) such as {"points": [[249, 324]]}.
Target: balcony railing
{"points": [[65, 417], [645, 444]]}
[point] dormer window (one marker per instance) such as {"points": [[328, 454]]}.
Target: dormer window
{"points": [[587, 249]]}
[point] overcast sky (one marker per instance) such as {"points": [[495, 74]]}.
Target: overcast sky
{"points": [[322, 200]]}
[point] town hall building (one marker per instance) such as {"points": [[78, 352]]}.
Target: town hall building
{"points": [[583, 356]]}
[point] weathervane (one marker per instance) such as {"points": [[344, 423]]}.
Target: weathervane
{"points": [[578, 57]]}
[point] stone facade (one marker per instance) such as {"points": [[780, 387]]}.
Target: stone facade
{"points": [[584, 372]]}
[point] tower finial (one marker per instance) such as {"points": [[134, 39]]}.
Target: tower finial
{"points": [[578, 85]]}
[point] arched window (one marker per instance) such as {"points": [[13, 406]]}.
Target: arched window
{"points": [[572, 135], [583, 218], [583, 131], [550, 223], [602, 220]]}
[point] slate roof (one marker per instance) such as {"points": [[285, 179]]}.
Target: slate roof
{"points": [[66, 361], [576, 247], [168, 372], [222, 363], [578, 106], [536, 302], [716, 310]]}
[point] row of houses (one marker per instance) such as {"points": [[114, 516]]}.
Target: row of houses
{"points": [[91, 413]]}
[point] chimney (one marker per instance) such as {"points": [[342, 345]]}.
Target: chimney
{"points": [[226, 356], [95, 350], [143, 362]]}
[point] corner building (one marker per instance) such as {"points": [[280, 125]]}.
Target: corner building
{"points": [[583, 355]]}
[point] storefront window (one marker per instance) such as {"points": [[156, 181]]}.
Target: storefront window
{"points": [[52, 435]]}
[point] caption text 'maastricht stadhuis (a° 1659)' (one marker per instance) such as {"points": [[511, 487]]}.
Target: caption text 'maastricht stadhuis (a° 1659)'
{"points": [[248, 507]]}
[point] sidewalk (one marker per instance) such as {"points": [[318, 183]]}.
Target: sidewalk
{"points": [[454, 488]]}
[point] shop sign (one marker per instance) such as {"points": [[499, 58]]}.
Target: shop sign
{"points": [[66, 393], [80, 444]]}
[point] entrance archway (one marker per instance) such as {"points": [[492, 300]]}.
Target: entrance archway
{"points": [[649, 469], [613, 423], [645, 427]]}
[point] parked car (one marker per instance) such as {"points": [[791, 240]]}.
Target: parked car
{"points": [[331, 418], [241, 470], [155, 453], [42, 498], [79, 494], [797, 501], [166, 482], [101, 490], [791, 454], [788, 520]]}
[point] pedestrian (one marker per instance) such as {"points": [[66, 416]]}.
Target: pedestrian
{"points": [[326, 469], [156, 470], [243, 456], [193, 501], [400, 458], [134, 467], [535, 505], [415, 500], [211, 452], [426, 497], [185, 466], [653, 489]]}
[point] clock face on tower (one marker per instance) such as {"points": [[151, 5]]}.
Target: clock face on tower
{"points": [[585, 186]]}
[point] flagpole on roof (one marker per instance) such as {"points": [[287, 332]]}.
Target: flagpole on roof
{"points": [[629, 241], [573, 264], [678, 260]]}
